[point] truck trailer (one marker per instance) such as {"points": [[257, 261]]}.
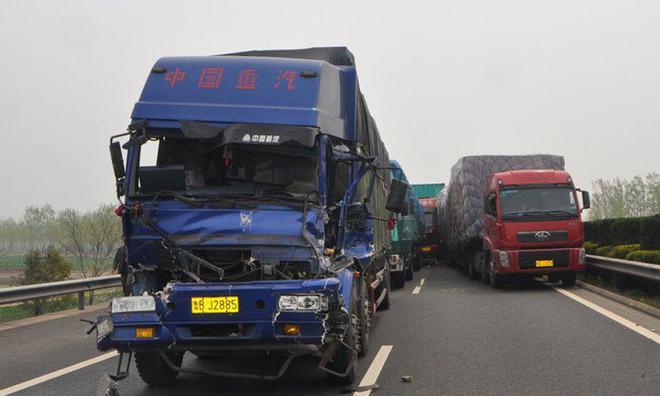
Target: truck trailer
{"points": [[407, 232], [260, 224], [429, 246], [507, 216]]}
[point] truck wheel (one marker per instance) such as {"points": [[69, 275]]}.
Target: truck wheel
{"points": [[485, 273], [473, 259], [494, 279], [154, 371], [417, 264], [344, 356], [409, 273], [568, 279], [363, 321], [398, 279]]}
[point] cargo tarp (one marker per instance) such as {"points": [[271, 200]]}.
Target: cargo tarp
{"points": [[461, 204]]}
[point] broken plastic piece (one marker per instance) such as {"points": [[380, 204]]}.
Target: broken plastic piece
{"points": [[406, 378]]}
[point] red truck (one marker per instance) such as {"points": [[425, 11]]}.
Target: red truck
{"points": [[528, 223]]}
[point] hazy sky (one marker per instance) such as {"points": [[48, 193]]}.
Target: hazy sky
{"points": [[442, 79]]}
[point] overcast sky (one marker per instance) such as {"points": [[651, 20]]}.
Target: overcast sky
{"points": [[442, 79]]}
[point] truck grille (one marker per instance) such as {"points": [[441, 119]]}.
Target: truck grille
{"points": [[527, 260], [542, 236]]}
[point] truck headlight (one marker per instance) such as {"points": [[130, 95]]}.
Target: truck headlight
{"points": [[582, 257], [133, 304], [504, 258], [303, 302]]}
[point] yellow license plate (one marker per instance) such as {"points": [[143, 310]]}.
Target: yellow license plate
{"points": [[211, 305], [544, 263], [426, 249]]}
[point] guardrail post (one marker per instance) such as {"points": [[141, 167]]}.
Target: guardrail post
{"points": [[81, 300]]}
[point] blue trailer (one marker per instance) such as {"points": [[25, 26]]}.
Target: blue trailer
{"points": [[258, 222]]}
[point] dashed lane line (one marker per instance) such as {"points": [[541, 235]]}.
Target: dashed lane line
{"points": [[622, 321], [417, 289], [56, 374], [374, 369]]}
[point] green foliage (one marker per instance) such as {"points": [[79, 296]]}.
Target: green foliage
{"points": [[42, 266], [650, 232], [590, 247], [618, 198], [45, 265], [645, 256], [625, 230], [603, 251], [622, 251], [598, 231]]}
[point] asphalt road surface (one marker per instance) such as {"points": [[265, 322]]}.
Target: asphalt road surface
{"points": [[452, 335]]}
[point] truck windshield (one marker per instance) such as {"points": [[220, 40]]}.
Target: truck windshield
{"points": [[202, 168], [538, 202]]}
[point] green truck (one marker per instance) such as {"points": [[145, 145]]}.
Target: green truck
{"points": [[406, 233], [429, 247]]}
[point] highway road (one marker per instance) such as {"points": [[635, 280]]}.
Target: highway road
{"points": [[452, 335]]}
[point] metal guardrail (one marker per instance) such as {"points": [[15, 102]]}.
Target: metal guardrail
{"points": [[626, 267], [43, 290]]}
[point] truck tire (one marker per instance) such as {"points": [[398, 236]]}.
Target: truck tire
{"points": [[409, 273], [472, 262], [398, 279], [485, 276], [417, 264], [494, 279], [568, 279], [154, 371], [343, 357]]}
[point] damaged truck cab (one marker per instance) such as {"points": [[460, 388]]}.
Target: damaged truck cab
{"points": [[255, 205]]}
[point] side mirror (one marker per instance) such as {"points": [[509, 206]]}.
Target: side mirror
{"points": [[117, 160], [586, 200], [397, 196]]}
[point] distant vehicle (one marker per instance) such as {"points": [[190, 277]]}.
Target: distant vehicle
{"points": [[429, 247], [406, 233], [505, 216], [262, 226]]}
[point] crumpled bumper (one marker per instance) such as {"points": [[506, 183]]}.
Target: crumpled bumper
{"points": [[257, 326]]}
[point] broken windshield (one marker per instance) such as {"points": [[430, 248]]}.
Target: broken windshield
{"points": [[204, 168]]}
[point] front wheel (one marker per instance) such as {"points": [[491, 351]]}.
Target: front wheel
{"points": [[568, 279], [154, 370], [409, 272], [494, 279], [398, 279], [473, 263]]}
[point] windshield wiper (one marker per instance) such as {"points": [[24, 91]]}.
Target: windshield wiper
{"points": [[561, 212]]}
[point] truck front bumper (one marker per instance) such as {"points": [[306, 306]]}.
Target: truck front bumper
{"points": [[259, 324], [539, 261]]}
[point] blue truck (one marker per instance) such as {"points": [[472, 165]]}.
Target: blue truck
{"points": [[255, 197], [407, 233]]}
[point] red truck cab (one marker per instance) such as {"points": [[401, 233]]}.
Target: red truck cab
{"points": [[533, 226]]}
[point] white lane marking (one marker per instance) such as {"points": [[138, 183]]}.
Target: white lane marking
{"points": [[622, 321], [55, 374], [416, 290], [421, 283], [374, 370]]}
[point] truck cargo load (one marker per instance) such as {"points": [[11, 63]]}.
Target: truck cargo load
{"points": [[461, 204]]}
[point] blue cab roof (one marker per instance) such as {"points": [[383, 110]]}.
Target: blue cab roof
{"points": [[250, 89]]}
